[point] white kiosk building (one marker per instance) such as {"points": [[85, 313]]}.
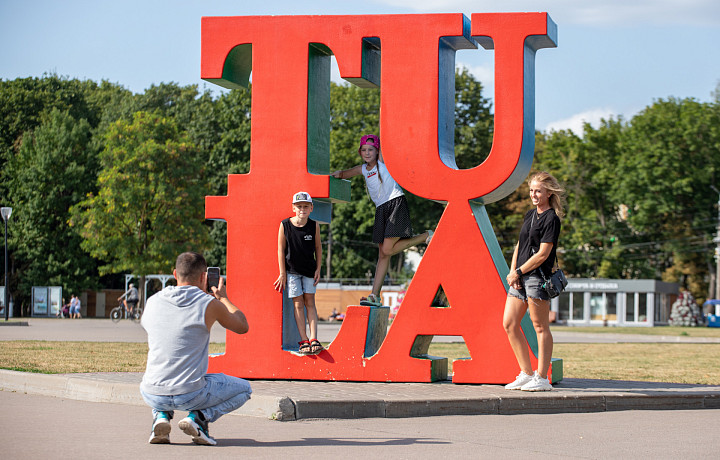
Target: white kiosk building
{"points": [[606, 302]]}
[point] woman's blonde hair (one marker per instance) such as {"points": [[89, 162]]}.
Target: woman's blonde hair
{"points": [[557, 191]]}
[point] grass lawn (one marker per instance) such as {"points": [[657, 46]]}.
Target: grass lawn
{"points": [[650, 362], [655, 362], [680, 331]]}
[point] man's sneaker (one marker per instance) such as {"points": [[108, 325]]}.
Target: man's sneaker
{"points": [[161, 429], [371, 301], [520, 380], [197, 429], [430, 235], [537, 384]]}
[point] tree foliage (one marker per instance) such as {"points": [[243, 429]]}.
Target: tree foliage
{"points": [[52, 171], [641, 203], [149, 203], [670, 161], [135, 168]]}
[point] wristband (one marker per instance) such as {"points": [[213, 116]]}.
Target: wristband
{"points": [[518, 271]]}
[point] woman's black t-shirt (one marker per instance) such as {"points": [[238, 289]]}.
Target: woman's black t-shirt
{"points": [[300, 248], [536, 229]]}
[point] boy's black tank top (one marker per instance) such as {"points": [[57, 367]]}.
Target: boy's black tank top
{"points": [[300, 248]]}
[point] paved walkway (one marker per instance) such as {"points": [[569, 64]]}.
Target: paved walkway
{"points": [[104, 330], [293, 400], [35, 429]]}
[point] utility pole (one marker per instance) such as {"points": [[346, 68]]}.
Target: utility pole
{"points": [[717, 249], [329, 254]]}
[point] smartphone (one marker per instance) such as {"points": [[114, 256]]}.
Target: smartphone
{"points": [[213, 277]]}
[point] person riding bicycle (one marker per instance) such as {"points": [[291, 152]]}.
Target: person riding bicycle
{"points": [[131, 298]]}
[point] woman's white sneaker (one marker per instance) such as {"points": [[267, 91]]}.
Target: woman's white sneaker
{"points": [[537, 383], [520, 380]]}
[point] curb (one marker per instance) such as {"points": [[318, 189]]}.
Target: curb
{"points": [[96, 390], [545, 404]]}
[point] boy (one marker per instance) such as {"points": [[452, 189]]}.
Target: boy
{"points": [[299, 253]]}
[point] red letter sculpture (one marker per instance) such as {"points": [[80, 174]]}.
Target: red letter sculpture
{"points": [[412, 59]]}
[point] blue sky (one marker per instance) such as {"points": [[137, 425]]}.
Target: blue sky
{"points": [[614, 57]]}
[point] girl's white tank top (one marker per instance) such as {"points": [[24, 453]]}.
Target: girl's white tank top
{"points": [[381, 191]]}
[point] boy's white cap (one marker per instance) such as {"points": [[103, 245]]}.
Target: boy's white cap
{"points": [[302, 197]]}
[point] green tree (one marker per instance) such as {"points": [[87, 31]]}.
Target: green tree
{"points": [[52, 171], [640, 203], [25, 101], [474, 125], [150, 199], [353, 112], [25, 105], [586, 167], [222, 129], [671, 158], [218, 128]]}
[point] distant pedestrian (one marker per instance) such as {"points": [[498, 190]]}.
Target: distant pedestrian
{"points": [[131, 297], [535, 250], [75, 306], [63, 310]]}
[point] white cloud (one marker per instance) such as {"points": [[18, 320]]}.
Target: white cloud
{"points": [[575, 123], [607, 12]]}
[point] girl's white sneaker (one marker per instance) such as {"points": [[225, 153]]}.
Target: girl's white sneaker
{"points": [[429, 237]]}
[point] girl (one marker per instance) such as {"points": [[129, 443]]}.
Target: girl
{"points": [[535, 251], [392, 230]]}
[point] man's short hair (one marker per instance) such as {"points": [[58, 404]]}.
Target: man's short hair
{"points": [[190, 265]]}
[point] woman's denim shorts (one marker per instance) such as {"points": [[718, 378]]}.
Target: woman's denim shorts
{"points": [[532, 287]]}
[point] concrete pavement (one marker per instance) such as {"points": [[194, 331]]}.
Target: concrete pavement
{"points": [[36, 427], [295, 400]]}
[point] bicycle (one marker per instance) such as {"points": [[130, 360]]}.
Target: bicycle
{"points": [[116, 314]]}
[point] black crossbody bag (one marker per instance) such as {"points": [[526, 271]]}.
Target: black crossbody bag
{"points": [[556, 283]]}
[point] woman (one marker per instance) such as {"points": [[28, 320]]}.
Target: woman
{"points": [[534, 252]]}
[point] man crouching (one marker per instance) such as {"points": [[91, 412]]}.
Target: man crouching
{"points": [[178, 320]]}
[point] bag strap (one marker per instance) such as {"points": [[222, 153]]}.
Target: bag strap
{"points": [[542, 273], [532, 250]]}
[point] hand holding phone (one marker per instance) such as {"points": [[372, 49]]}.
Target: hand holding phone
{"points": [[213, 278]]}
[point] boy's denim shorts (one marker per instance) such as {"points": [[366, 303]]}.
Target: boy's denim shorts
{"points": [[298, 285], [532, 287]]}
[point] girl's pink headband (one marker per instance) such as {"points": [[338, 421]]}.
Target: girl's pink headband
{"points": [[370, 139]]}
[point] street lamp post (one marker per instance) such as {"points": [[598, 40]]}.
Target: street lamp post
{"points": [[717, 249], [6, 216]]}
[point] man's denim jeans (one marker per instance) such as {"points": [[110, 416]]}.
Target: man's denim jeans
{"points": [[221, 395]]}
